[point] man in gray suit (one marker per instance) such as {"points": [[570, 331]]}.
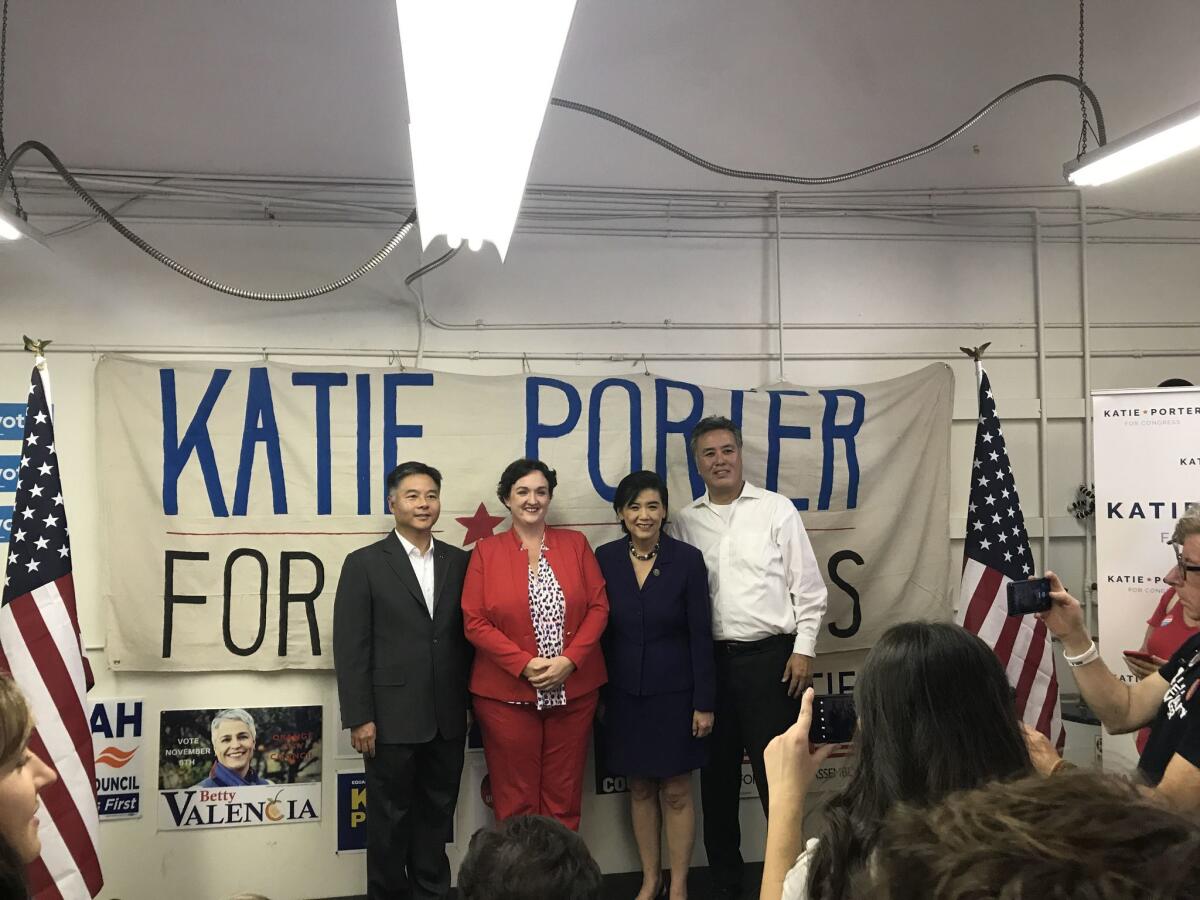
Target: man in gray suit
{"points": [[402, 664]]}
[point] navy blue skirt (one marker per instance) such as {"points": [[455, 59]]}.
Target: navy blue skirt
{"points": [[651, 736]]}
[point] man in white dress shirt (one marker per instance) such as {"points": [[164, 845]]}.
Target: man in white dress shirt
{"points": [[768, 599]]}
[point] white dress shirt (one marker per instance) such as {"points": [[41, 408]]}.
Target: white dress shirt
{"points": [[762, 573], [422, 564]]}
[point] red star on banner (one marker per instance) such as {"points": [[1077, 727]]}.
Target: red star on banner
{"points": [[480, 525]]}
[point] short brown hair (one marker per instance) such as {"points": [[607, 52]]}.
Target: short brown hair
{"points": [[1071, 836]]}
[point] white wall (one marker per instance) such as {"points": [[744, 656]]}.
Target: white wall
{"points": [[96, 290]]}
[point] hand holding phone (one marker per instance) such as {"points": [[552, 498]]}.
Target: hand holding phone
{"points": [[834, 719], [1029, 596], [1141, 656], [1142, 664]]}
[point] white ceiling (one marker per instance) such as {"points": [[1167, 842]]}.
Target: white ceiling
{"points": [[314, 87]]}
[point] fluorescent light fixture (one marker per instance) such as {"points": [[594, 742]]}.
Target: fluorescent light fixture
{"points": [[1177, 133], [8, 225], [478, 75], [13, 228]]}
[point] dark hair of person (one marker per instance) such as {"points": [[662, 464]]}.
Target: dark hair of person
{"points": [[935, 715], [1176, 382], [714, 423], [16, 723], [518, 469], [528, 858], [412, 467], [631, 487], [12, 874], [1078, 835]]}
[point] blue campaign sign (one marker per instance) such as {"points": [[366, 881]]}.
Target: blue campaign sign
{"points": [[12, 421], [351, 811], [9, 467], [6, 514]]}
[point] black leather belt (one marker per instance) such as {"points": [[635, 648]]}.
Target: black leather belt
{"points": [[732, 648]]}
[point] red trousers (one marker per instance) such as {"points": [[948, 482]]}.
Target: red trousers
{"points": [[536, 758]]}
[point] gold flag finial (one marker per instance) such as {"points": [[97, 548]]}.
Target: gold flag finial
{"points": [[976, 353], [35, 346]]}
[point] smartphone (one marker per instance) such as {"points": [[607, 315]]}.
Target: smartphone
{"points": [[1029, 596], [1138, 654], [834, 719]]}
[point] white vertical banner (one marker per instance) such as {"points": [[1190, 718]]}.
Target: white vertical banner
{"points": [[1147, 460]]}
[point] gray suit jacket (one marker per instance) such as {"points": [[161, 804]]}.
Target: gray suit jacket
{"points": [[397, 665]]}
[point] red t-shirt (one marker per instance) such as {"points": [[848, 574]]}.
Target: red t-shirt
{"points": [[1169, 634]]}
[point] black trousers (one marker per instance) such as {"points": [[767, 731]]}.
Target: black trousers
{"points": [[412, 790], [752, 707]]}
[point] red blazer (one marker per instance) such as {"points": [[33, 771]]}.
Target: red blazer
{"points": [[495, 603]]}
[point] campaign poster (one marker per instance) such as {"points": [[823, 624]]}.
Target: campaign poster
{"points": [[118, 746], [222, 768], [351, 812], [1147, 458]]}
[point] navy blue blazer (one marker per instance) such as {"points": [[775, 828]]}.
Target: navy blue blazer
{"points": [[659, 637]]}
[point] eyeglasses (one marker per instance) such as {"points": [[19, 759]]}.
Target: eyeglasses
{"points": [[1185, 569]]}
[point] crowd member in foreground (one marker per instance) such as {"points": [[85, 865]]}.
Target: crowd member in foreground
{"points": [[528, 858], [767, 603], [1169, 626], [22, 776], [1076, 836], [534, 607], [1166, 700], [935, 715], [659, 698]]}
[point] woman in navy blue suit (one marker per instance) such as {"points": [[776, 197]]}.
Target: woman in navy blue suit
{"points": [[659, 698]]}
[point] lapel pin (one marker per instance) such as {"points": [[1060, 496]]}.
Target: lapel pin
{"points": [[655, 572]]}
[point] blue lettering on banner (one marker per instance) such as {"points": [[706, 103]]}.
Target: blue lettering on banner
{"points": [[664, 426], [12, 421], [177, 451], [776, 432], [10, 469], [322, 381], [830, 432], [393, 430], [260, 427], [554, 408], [535, 428], [362, 387], [607, 491], [6, 514]]}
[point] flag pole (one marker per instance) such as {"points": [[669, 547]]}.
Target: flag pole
{"points": [[976, 353]]}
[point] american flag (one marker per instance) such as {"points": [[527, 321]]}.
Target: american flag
{"points": [[40, 647], [996, 552]]}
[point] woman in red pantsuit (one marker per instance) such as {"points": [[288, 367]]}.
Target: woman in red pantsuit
{"points": [[534, 607]]}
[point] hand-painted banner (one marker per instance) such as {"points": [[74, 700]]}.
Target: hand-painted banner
{"points": [[1147, 461], [232, 492]]}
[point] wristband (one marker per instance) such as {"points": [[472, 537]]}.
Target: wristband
{"points": [[1090, 655]]}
